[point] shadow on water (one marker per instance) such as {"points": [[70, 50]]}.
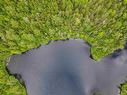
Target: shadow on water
{"points": [[19, 77], [66, 67]]}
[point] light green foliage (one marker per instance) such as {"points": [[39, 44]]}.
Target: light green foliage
{"points": [[8, 84], [124, 89], [25, 24]]}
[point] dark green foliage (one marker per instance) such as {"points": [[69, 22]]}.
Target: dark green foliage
{"points": [[25, 24]]}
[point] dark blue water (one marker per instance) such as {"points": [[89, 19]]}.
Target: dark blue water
{"points": [[66, 68]]}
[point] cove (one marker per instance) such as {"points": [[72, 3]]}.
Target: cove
{"points": [[66, 68]]}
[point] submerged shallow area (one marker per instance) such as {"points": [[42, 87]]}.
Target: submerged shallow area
{"points": [[67, 68]]}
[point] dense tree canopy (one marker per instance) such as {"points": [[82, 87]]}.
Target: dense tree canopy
{"points": [[25, 24]]}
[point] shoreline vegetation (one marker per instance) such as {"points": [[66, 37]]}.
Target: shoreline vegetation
{"points": [[25, 24]]}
